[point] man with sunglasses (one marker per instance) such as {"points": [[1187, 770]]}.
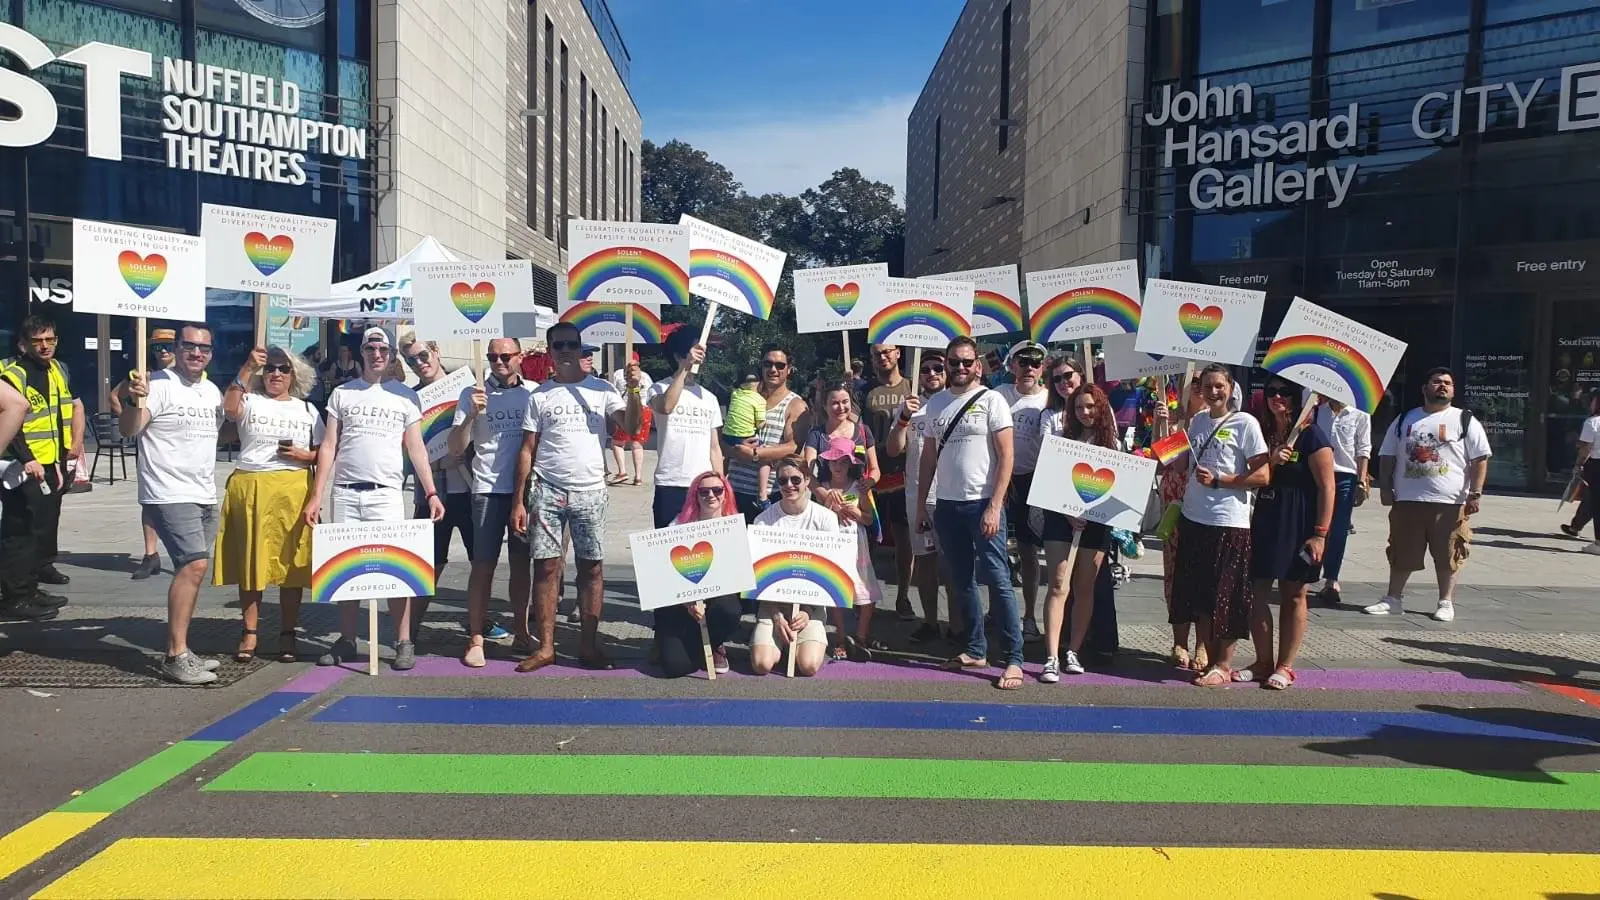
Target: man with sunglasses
{"points": [[882, 405], [905, 437], [163, 353], [563, 450], [966, 466], [489, 419], [774, 438], [43, 453], [374, 424], [1027, 396], [177, 425]]}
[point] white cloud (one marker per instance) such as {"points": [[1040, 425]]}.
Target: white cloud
{"points": [[788, 154]]}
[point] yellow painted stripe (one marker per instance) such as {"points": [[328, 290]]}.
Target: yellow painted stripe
{"points": [[226, 868], [40, 836]]}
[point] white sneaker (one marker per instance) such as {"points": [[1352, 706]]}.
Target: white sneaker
{"points": [[1051, 673], [1446, 612], [1592, 548], [1072, 666], [1388, 606]]}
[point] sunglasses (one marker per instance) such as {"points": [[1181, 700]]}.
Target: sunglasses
{"points": [[1032, 362], [192, 347], [1063, 377], [161, 348], [774, 365], [791, 481], [708, 493], [500, 357], [419, 358], [933, 370], [278, 369], [566, 345], [959, 363], [1279, 392], [376, 349]]}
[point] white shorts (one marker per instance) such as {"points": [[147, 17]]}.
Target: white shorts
{"points": [[765, 635], [382, 504]]}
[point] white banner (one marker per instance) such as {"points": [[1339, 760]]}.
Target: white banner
{"points": [[122, 271], [1101, 485], [811, 568], [996, 299], [837, 298], [366, 560], [921, 312], [1124, 362], [470, 299], [1083, 302], [695, 561], [732, 270], [627, 262], [1204, 322], [1333, 355], [267, 252]]}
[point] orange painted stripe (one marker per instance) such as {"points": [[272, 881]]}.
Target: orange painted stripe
{"points": [[1549, 683]]}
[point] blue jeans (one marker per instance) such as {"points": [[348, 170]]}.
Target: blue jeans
{"points": [[973, 558], [1344, 502]]}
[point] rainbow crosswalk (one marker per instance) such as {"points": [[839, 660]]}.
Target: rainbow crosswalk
{"points": [[877, 781]]}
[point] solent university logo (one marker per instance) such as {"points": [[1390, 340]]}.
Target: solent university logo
{"points": [[1197, 323], [472, 300], [1089, 301], [1092, 484], [142, 274], [842, 298], [1346, 362], [268, 255], [587, 315], [629, 262], [692, 563], [812, 568], [369, 560]]}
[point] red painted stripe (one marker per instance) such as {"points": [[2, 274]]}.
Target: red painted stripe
{"points": [[1582, 695]]}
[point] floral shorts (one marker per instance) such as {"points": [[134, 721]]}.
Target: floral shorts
{"points": [[553, 509]]}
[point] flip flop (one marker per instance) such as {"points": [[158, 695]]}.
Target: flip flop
{"points": [[1009, 682], [1180, 657], [961, 662], [1216, 676]]}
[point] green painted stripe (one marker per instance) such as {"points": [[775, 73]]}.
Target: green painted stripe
{"points": [[112, 795], [765, 776]]}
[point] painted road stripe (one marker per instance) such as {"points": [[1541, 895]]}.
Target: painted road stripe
{"points": [[984, 717], [1410, 681], [903, 779], [40, 836], [1570, 691], [131, 784], [237, 724], [224, 868]]}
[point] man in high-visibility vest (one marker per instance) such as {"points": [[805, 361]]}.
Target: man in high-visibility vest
{"points": [[49, 443]]}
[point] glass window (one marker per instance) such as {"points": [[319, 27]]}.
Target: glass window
{"points": [[1363, 23], [276, 61], [1166, 47], [1252, 234], [1536, 215], [297, 23], [355, 23], [1499, 11], [1235, 34]]}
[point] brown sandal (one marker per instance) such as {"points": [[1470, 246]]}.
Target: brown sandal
{"points": [[286, 646], [243, 655]]}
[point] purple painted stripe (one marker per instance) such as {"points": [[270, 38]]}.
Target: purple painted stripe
{"points": [[1407, 681], [317, 680]]}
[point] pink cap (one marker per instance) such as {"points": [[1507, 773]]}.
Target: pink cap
{"points": [[839, 448]]}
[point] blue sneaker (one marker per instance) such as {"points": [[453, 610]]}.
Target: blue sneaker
{"points": [[495, 632]]}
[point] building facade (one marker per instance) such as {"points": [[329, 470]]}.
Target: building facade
{"points": [[491, 167], [1428, 167]]}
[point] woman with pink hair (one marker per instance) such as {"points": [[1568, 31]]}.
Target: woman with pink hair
{"points": [[678, 627]]}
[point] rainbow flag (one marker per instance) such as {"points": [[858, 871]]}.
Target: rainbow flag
{"points": [[1171, 447], [869, 505]]}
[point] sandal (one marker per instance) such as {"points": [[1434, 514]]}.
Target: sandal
{"points": [[286, 648], [1280, 679], [963, 661], [1248, 673], [1180, 657], [637, 481], [1008, 681], [243, 655], [616, 479], [1202, 659], [1216, 676]]}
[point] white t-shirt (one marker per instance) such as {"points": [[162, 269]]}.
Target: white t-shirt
{"points": [[178, 447], [916, 430], [1238, 437], [1025, 412], [372, 421], [264, 422], [816, 517], [968, 458], [496, 434], [1434, 469], [570, 420], [685, 433], [1591, 435], [1351, 431]]}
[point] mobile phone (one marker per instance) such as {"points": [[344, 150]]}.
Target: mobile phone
{"points": [[286, 444], [1305, 556]]}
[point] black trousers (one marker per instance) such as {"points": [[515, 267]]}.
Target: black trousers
{"points": [[678, 634], [28, 527], [457, 517]]}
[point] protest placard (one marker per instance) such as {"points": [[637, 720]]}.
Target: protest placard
{"points": [[363, 560], [921, 312], [1083, 302], [836, 298], [627, 262], [1102, 485], [996, 299], [438, 404], [1203, 322], [1333, 355], [1123, 361], [732, 270], [693, 561], [470, 299], [267, 252], [606, 323], [139, 272], [811, 568]]}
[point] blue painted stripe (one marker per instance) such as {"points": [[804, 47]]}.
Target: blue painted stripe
{"points": [[238, 724], [979, 717]]}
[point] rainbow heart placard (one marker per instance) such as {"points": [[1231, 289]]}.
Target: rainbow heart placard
{"points": [[1092, 484], [472, 300], [268, 255], [142, 274], [1199, 322], [692, 562], [842, 298]]}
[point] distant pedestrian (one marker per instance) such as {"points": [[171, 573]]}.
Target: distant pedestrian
{"points": [[633, 384]]}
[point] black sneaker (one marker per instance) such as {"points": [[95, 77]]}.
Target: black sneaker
{"points": [[924, 633], [343, 650], [148, 566], [48, 600], [902, 608], [28, 612], [52, 575], [1568, 530]]}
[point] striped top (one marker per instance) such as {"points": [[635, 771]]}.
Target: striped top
{"points": [[743, 475]]}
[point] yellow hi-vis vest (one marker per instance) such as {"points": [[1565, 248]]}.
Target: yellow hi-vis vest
{"points": [[48, 427]]}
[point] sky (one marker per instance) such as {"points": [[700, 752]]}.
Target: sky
{"points": [[784, 92]]}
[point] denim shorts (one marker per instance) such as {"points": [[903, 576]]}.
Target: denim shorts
{"points": [[491, 527], [551, 509], [187, 530]]}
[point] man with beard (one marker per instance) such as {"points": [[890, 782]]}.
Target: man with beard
{"points": [[1026, 395], [882, 408]]}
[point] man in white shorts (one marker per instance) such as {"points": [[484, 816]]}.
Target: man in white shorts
{"points": [[373, 423]]}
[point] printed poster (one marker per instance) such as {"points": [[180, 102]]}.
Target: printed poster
{"points": [[694, 561], [469, 300], [1083, 302], [438, 402], [837, 298], [606, 323], [267, 252], [1333, 355], [627, 262], [732, 270], [1203, 322], [811, 568], [366, 560], [139, 272], [1105, 486], [921, 312], [996, 299]]}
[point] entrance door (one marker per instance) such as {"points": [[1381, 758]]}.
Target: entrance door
{"points": [[1571, 369], [1425, 327]]}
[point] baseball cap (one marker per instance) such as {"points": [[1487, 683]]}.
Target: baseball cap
{"points": [[376, 335], [1026, 346], [839, 448]]}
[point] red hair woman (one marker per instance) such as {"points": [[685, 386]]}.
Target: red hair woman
{"points": [[678, 627]]}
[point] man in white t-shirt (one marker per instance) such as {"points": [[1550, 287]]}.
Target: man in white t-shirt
{"points": [[1431, 492], [177, 424], [906, 436], [489, 419], [966, 465], [565, 426], [374, 424], [688, 436], [1027, 397]]}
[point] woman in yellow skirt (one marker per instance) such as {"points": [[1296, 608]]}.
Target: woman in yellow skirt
{"points": [[262, 540]]}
